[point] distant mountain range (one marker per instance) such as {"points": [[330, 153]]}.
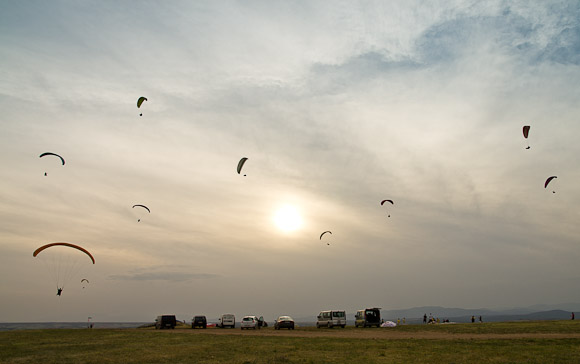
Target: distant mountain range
{"points": [[415, 315]]}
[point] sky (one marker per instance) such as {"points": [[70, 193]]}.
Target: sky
{"points": [[337, 105]]}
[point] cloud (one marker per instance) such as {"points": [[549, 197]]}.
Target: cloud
{"points": [[163, 276]]}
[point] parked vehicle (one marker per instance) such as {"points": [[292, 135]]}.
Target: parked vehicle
{"points": [[199, 321], [250, 322], [331, 318], [227, 320], [165, 322], [284, 322], [368, 317]]}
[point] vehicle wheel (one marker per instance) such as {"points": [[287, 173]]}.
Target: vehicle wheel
{"points": [[343, 326], [330, 325], [292, 327], [317, 326]]}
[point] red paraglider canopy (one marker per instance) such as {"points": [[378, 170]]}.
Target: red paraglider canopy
{"points": [[63, 244]]}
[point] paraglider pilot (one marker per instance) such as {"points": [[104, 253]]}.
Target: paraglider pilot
{"points": [[58, 291]]}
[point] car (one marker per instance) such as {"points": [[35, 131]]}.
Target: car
{"points": [[199, 321], [250, 322], [165, 322], [368, 317], [284, 322], [331, 318], [227, 320]]}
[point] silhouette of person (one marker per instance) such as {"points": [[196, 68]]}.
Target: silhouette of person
{"points": [[58, 291]]}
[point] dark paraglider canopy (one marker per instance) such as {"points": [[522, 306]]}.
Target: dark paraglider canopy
{"points": [[548, 182], [140, 101], [321, 235], [54, 154], [526, 131], [383, 202], [241, 164], [143, 206]]}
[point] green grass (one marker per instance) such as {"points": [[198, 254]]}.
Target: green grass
{"points": [[181, 346]]}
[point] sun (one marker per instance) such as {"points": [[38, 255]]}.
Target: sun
{"points": [[287, 218]]}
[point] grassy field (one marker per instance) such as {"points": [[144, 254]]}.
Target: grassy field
{"points": [[203, 346]]}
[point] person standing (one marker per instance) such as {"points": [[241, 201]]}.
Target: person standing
{"points": [[425, 318], [472, 318], [480, 319], [572, 317]]}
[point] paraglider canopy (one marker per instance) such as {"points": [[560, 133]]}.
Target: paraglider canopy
{"points": [[44, 247], [383, 202], [321, 235], [53, 154], [241, 164], [139, 102], [56, 155], [526, 131], [548, 182], [143, 206], [62, 261]]}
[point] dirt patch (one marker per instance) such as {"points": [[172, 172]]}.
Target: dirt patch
{"points": [[386, 333]]}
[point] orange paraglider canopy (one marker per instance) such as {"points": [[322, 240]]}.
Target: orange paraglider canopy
{"points": [[63, 244]]}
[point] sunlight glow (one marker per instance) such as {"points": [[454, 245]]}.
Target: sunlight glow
{"points": [[287, 218]]}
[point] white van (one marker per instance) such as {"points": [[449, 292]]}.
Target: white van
{"points": [[227, 320], [331, 318]]}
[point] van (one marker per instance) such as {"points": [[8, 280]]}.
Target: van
{"points": [[165, 322], [330, 319], [199, 321], [227, 320], [368, 317]]}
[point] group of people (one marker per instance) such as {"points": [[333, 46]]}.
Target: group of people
{"points": [[433, 320]]}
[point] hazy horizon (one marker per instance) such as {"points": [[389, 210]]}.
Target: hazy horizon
{"points": [[337, 106]]}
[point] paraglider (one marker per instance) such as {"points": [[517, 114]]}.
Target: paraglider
{"points": [[143, 206], [321, 235], [383, 202], [526, 131], [548, 181], [84, 280], [139, 102], [63, 261], [53, 154], [241, 164]]}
